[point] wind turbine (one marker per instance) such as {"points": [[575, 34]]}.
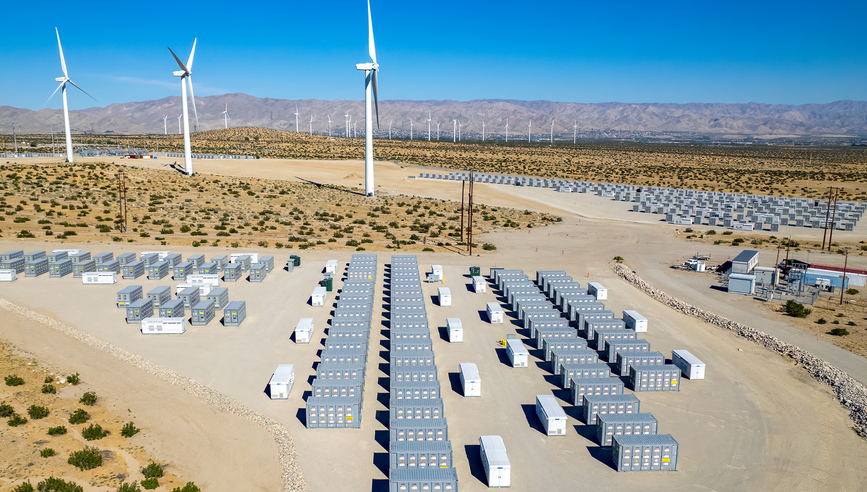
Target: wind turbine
{"points": [[311, 123], [329, 125], [179, 124], [296, 118], [346, 117], [410, 128], [165, 125], [63, 80], [459, 130], [454, 131], [530, 131], [438, 131], [552, 131], [428, 126], [507, 130], [389, 128], [371, 83], [226, 116], [574, 132], [185, 73], [483, 130]]}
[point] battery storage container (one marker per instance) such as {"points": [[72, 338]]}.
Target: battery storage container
{"points": [[470, 380], [126, 258], [689, 364], [133, 270], [209, 268], [607, 404], [567, 357], [655, 378], [420, 454], [160, 295], [414, 390], [336, 388], [79, 269], [80, 257], [36, 268], [33, 256], [644, 453], [112, 266], [16, 264], [139, 310], [518, 354], [235, 313], [568, 343], [431, 408], [202, 313], [129, 295], [635, 321], [197, 260], [330, 412], [498, 470], [551, 415], [418, 429], [220, 296], [625, 360], [173, 308], [258, 272], [423, 479], [182, 270], [221, 261], [233, 272], [158, 270], [627, 424], [190, 296], [568, 372], [614, 347], [594, 386]]}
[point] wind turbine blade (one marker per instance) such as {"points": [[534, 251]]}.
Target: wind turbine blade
{"points": [[82, 90], [62, 60], [370, 46], [192, 54], [375, 83], [193, 97], [180, 64], [53, 93]]}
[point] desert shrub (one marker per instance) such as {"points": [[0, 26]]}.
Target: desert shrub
{"points": [[49, 388], [821, 321], [489, 247], [189, 487], [129, 487], [73, 379], [852, 291], [850, 323], [52, 484], [93, 432], [618, 259], [150, 483], [48, 379], [152, 470], [57, 431], [428, 249], [85, 459], [37, 412], [839, 332], [78, 417], [47, 453], [16, 420], [6, 410], [796, 309], [129, 430], [13, 380], [24, 487], [88, 399]]}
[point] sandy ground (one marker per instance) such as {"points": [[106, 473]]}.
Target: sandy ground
{"points": [[755, 423]]}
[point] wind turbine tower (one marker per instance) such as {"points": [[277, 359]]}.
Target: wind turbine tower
{"points": [[329, 125], [574, 132], [186, 73], [530, 131], [507, 130], [226, 116], [459, 131], [346, 117], [62, 88], [438, 131], [296, 119], [311, 123], [552, 131], [389, 128], [428, 126], [370, 86], [165, 125], [410, 128], [179, 124], [454, 131], [483, 130]]}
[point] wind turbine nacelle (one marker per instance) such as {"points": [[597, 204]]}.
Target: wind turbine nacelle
{"points": [[365, 66], [61, 79], [179, 73]]}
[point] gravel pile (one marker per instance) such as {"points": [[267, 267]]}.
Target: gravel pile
{"points": [[293, 479], [851, 393]]}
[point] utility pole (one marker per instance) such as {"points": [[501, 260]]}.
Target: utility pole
{"points": [[777, 266], [121, 201], [15, 138], [833, 216], [463, 186], [470, 214], [827, 216], [845, 264]]}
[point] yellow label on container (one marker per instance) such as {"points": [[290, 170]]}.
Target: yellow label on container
{"points": [[666, 460], [349, 417], [674, 382]]}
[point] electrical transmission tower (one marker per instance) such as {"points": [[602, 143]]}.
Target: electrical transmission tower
{"points": [[121, 201]]}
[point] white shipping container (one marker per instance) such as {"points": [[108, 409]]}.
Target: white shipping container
{"points": [[163, 326], [200, 279], [437, 273], [8, 275], [318, 296], [498, 470], [635, 321], [470, 380], [204, 289], [480, 286], [688, 364], [445, 296], [304, 330], [282, 381], [456, 330], [160, 254], [598, 290], [234, 257], [495, 313], [551, 415], [331, 267], [93, 278], [517, 353], [68, 251]]}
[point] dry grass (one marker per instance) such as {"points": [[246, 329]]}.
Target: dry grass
{"points": [[828, 307]]}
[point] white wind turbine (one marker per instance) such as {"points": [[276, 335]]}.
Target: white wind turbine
{"points": [[483, 130], [459, 130], [226, 116], [165, 125], [410, 128], [186, 73], [346, 117], [179, 124], [438, 131], [428, 126], [552, 131], [329, 125], [574, 132], [530, 131], [311, 123], [296, 119], [371, 83], [62, 88], [389, 128], [454, 130], [507, 130]]}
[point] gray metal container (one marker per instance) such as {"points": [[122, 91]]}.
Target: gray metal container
{"points": [[332, 343], [220, 296], [182, 270], [101, 258], [126, 258], [340, 412], [16, 264], [258, 272], [149, 259], [172, 308], [209, 268], [245, 262], [233, 272], [430, 408], [608, 404], [566, 357], [11, 255], [58, 269], [133, 269], [594, 386], [336, 388], [552, 330], [55, 257], [567, 343], [110, 266], [80, 257], [268, 261], [568, 372], [628, 424], [419, 455], [591, 325], [158, 270], [418, 430], [79, 269], [139, 310], [410, 335], [36, 268], [235, 313], [202, 313], [173, 260], [160, 295], [400, 348], [190, 296], [350, 372], [601, 337], [614, 347], [221, 261], [344, 356], [655, 378], [414, 390], [357, 333], [34, 255], [645, 453], [128, 295], [427, 373], [197, 260], [412, 359]]}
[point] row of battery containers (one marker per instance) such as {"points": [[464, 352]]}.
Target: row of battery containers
{"points": [[420, 453], [337, 390], [159, 300]]}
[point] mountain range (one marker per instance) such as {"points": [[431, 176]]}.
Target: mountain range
{"points": [[750, 119]]}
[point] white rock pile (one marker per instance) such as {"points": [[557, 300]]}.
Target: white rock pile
{"points": [[293, 479], [850, 392]]}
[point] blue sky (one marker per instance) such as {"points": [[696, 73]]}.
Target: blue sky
{"points": [[680, 52]]}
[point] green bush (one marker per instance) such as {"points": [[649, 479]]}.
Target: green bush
{"points": [[152, 470], [57, 431], [821, 321], [52, 484], [24, 487], [489, 247], [13, 380], [85, 459], [73, 379], [850, 323], [49, 388], [129, 430], [16, 420], [129, 487], [88, 399], [78, 417], [37, 412], [93, 432], [839, 332], [150, 483], [48, 379], [618, 259], [6, 410], [428, 250], [851, 291], [796, 309], [47, 453], [189, 487]]}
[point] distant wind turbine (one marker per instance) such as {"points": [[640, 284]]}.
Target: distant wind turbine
{"points": [[186, 73], [226, 116], [507, 130], [346, 117], [389, 128], [459, 130], [165, 127], [428, 126], [483, 130], [454, 131], [179, 124], [329, 125], [62, 87], [438, 131], [410, 128], [296, 119], [552, 131], [371, 83], [311, 123], [530, 131], [574, 132]]}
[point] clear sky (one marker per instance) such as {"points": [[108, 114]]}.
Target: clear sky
{"points": [[629, 51]]}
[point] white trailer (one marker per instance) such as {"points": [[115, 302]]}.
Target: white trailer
{"points": [[95, 278], [68, 251], [456, 330], [480, 286], [304, 330], [8, 275], [282, 381], [498, 470], [436, 274], [495, 313], [163, 326], [234, 257], [331, 267], [318, 296], [517, 352], [598, 290], [199, 279], [470, 380], [204, 289], [635, 321], [688, 364], [445, 296], [551, 415], [160, 254]]}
